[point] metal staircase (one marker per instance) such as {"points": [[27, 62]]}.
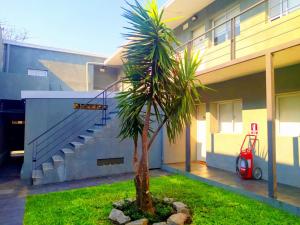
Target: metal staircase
{"points": [[54, 149]]}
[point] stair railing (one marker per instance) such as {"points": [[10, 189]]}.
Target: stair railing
{"points": [[57, 136]]}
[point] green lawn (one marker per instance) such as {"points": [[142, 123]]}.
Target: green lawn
{"points": [[210, 205]]}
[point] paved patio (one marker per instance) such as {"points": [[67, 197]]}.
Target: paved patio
{"points": [[13, 192], [287, 194]]}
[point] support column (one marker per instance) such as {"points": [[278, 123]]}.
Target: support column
{"points": [[271, 112], [188, 148]]}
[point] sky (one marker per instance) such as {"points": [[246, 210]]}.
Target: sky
{"points": [[84, 25]]}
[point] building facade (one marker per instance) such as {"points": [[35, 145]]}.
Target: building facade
{"points": [[41, 70], [250, 60]]}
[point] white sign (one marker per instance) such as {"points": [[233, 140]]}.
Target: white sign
{"points": [[254, 128]]}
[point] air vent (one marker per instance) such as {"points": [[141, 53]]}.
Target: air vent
{"points": [[110, 161]]}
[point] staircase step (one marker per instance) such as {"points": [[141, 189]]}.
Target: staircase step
{"points": [[85, 138], [100, 124], [37, 174], [113, 112], [57, 160], [76, 145], [47, 166], [91, 130], [37, 177], [67, 151]]}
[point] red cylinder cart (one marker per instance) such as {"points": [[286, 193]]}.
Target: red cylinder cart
{"points": [[245, 161]]}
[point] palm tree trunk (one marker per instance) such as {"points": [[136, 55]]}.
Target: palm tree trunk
{"points": [[143, 195]]}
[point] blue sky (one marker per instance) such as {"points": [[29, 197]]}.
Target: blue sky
{"points": [[87, 25]]}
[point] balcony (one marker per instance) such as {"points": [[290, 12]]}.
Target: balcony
{"points": [[246, 37]]}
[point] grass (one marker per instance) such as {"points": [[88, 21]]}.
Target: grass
{"points": [[210, 205]]}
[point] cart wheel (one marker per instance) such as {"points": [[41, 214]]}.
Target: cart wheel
{"points": [[257, 173]]}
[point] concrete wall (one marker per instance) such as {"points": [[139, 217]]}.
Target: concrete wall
{"points": [[11, 85], [51, 111], [104, 78], [222, 149], [1, 50], [66, 71]]}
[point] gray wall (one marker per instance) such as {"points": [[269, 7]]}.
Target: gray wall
{"points": [[103, 79], [51, 111], [12, 84], [1, 50], [66, 71]]}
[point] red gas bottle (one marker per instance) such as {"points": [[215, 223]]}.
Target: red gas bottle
{"points": [[245, 160]]}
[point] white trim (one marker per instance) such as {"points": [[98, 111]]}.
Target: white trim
{"points": [[62, 94], [28, 45]]}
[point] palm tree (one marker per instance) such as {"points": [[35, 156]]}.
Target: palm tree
{"points": [[163, 89]]}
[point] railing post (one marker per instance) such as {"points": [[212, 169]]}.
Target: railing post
{"points": [[188, 126], [105, 103], [34, 156], [232, 39]]}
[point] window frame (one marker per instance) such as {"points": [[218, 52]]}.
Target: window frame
{"points": [[284, 10], [40, 70], [232, 102], [225, 13]]}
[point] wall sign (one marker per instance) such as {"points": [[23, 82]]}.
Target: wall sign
{"points": [[254, 128], [90, 106]]}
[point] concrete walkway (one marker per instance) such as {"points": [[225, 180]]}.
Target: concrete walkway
{"points": [[288, 196], [13, 193]]}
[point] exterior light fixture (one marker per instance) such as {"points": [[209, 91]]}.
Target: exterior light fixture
{"points": [[194, 18]]}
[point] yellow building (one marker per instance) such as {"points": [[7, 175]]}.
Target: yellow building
{"points": [[250, 53]]}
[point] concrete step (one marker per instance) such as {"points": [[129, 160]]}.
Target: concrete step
{"points": [[86, 138], [113, 112], [67, 151], [47, 167], [76, 145], [92, 130], [37, 177], [57, 160], [37, 174], [100, 125]]}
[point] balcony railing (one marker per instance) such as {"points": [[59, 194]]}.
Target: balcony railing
{"points": [[250, 31]]}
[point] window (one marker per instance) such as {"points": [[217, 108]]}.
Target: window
{"points": [[230, 117], [199, 38], [37, 73], [289, 115], [223, 31], [279, 8]]}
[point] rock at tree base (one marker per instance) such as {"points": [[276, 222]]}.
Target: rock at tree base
{"points": [[177, 219], [181, 208], [139, 222], [118, 217], [168, 200], [161, 223], [119, 204]]}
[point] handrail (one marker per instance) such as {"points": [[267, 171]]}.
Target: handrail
{"points": [[225, 22], [61, 121]]}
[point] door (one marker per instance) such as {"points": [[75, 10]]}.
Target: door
{"points": [[201, 132]]}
